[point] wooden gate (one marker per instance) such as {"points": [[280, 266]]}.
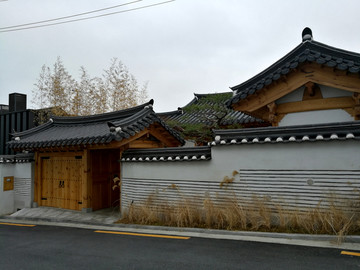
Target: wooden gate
{"points": [[104, 167], [61, 182]]}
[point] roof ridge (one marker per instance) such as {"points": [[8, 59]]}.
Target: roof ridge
{"points": [[34, 129], [133, 117], [175, 112], [282, 59], [100, 117], [210, 94]]}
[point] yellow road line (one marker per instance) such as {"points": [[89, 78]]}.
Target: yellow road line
{"points": [[146, 235], [16, 224], [350, 253]]}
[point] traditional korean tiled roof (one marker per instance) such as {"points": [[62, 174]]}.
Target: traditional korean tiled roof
{"points": [[308, 51], [18, 158], [168, 154], [94, 129], [233, 117], [288, 134]]}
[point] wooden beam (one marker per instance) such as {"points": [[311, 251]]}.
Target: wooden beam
{"points": [[60, 154], [119, 144], [324, 75], [145, 144], [316, 104], [157, 131], [308, 72], [262, 113], [271, 93]]}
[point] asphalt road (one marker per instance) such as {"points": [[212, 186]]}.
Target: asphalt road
{"points": [[51, 247]]}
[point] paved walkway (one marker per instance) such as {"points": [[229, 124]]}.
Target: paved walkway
{"points": [[104, 216]]}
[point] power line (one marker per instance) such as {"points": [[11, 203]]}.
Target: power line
{"points": [[67, 17], [87, 18]]}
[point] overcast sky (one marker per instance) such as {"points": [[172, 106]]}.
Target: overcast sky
{"points": [[180, 48]]}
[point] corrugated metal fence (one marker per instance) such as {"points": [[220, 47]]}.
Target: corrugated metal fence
{"points": [[290, 189], [22, 189]]}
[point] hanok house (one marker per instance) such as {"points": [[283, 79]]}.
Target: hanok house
{"points": [[314, 83], [308, 158], [77, 158]]}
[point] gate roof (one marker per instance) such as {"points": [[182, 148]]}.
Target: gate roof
{"points": [[95, 129]]}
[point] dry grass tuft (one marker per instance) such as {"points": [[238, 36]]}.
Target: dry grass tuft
{"points": [[226, 181], [231, 213]]}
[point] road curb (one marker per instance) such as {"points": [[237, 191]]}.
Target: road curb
{"points": [[326, 241]]}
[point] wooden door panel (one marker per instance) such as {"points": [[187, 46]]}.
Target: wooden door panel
{"points": [[47, 198], [61, 182]]}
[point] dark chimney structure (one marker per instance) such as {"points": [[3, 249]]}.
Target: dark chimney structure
{"points": [[17, 102]]}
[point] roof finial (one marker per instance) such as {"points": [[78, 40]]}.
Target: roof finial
{"points": [[307, 34]]}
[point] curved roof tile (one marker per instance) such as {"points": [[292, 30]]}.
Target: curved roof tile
{"points": [[233, 117]]}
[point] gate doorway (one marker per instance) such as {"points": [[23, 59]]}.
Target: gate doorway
{"points": [[104, 167]]}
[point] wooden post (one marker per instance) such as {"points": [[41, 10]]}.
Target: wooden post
{"points": [[120, 176], [272, 113], [356, 98], [37, 180], [86, 180]]}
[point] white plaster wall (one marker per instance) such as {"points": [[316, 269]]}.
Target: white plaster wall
{"points": [[315, 117], [191, 170], [330, 155], [6, 197], [333, 155], [22, 194], [296, 175], [24, 185], [326, 91], [296, 95], [330, 92]]}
